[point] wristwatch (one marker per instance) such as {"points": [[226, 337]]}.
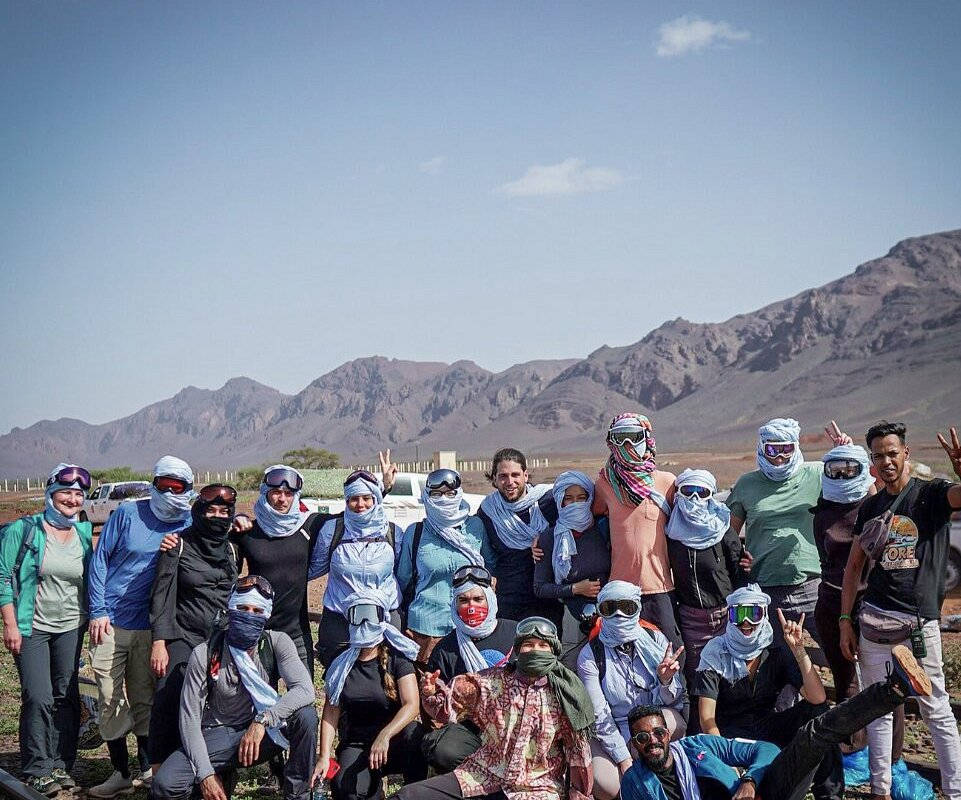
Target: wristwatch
{"points": [[263, 718]]}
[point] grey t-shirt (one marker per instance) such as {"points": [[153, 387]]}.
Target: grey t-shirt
{"points": [[59, 605]]}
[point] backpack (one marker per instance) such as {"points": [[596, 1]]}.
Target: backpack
{"points": [[28, 544], [408, 592], [338, 536], [215, 651]]}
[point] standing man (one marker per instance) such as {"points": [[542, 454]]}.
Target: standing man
{"points": [[636, 497], [902, 602], [773, 502], [119, 586]]}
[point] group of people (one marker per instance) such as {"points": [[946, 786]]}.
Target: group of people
{"points": [[629, 635]]}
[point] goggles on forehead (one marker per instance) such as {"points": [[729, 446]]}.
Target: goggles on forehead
{"points": [[471, 574], [219, 492], [626, 607], [361, 474], [280, 477], [71, 475], [775, 449], [536, 626], [692, 490], [261, 585], [168, 483], [629, 437], [366, 612], [843, 468], [754, 614]]}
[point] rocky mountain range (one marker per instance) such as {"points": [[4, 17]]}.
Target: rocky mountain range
{"points": [[882, 341]]}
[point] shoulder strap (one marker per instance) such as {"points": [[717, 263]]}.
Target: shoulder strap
{"points": [[265, 650], [411, 587], [600, 658], [27, 544], [337, 538], [312, 525], [900, 498]]}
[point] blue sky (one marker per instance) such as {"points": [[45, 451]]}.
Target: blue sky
{"points": [[194, 191]]}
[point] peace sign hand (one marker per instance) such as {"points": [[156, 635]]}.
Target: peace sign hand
{"points": [[793, 632], [836, 435], [953, 450], [387, 469], [670, 664]]}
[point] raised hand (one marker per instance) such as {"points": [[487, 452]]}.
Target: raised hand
{"points": [[429, 683], [387, 468], [836, 435], [670, 664], [537, 553], [746, 560], [953, 450], [793, 632]]}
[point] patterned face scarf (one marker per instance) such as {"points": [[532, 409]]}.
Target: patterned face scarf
{"points": [[630, 473]]}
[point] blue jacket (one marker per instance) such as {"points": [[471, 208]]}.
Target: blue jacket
{"points": [[123, 565], [712, 757]]}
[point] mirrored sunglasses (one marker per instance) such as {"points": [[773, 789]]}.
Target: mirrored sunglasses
{"points": [[643, 737]]}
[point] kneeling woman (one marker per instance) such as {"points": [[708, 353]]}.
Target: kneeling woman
{"points": [[630, 663], [372, 705]]}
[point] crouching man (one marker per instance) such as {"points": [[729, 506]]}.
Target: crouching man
{"points": [[230, 712]]}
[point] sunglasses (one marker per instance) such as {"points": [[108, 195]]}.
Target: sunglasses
{"points": [[643, 737], [471, 574], [167, 483], [219, 491], [278, 478], [843, 468], [262, 585], [775, 449], [443, 478], [754, 614], [365, 612], [629, 437], [690, 490], [628, 608], [70, 475], [536, 626], [361, 474]]}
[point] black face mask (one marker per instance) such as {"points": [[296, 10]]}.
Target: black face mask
{"points": [[210, 533], [217, 527]]}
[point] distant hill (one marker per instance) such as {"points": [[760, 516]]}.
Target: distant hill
{"points": [[882, 341]]}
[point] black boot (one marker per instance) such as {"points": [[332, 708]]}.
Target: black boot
{"points": [[143, 754], [119, 757]]}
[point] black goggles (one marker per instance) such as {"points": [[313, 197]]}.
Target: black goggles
{"points": [[262, 585], [71, 475], [608, 608], [443, 479], [643, 737], [361, 474], [219, 493], [365, 612], [843, 468], [471, 574], [536, 626], [278, 478]]}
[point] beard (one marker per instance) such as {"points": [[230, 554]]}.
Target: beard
{"points": [[658, 762]]}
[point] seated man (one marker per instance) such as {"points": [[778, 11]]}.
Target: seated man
{"points": [[700, 766], [480, 639], [740, 676], [230, 703], [533, 716]]}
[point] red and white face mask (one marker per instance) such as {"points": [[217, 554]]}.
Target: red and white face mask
{"points": [[473, 615]]}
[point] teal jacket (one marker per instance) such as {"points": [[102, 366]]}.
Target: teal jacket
{"points": [[27, 580]]}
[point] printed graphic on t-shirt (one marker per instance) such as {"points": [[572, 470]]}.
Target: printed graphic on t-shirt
{"points": [[899, 552]]}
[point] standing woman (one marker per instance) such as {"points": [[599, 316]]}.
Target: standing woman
{"points": [[43, 566], [706, 557], [190, 591], [358, 552], [433, 550], [577, 550], [372, 705]]}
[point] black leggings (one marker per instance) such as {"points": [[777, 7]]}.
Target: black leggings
{"points": [[356, 780], [164, 731]]}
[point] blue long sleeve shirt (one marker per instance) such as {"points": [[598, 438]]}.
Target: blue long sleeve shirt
{"points": [[123, 565], [712, 758]]}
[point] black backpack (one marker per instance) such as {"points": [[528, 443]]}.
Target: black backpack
{"points": [[215, 652], [27, 544]]}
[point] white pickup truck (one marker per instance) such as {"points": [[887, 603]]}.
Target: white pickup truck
{"points": [[403, 503], [103, 500]]}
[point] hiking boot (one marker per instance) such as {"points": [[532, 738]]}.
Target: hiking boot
{"points": [[62, 777], [905, 674], [114, 785], [45, 784]]}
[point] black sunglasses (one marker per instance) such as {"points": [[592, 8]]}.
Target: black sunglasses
{"points": [[643, 737]]}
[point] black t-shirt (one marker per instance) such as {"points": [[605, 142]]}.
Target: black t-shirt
{"points": [[740, 705], [833, 535], [364, 707], [495, 648], [704, 578], [909, 575], [669, 783]]}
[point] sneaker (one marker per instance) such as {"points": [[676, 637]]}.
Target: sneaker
{"points": [[114, 785], [45, 784], [62, 777], [146, 777], [906, 674]]}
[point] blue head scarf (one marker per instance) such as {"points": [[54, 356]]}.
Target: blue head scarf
{"points": [[50, 512], [570, 518], [695, 522], [277, 524], [510, 528], [729, 653], [167, 506], [618, 629], [780, 430], [446, 517], [847, 490], [370, 523]]}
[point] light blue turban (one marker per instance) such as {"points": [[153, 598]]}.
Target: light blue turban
{"points": [[847, 490], [166, 506], [780, 430]]}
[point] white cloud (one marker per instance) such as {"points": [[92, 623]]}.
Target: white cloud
{"points": [[690, 33], [433, 165], [569, 177]]}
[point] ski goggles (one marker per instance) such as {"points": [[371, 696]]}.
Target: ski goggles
{"points": [[366, 612], [843, 468], [361, 475], [629, 437], [471, 574], [627, 608], [215, 492], [754, 614], [443, 479], [261, 585], [692, 490], [643, 737], [70, 475], [172, 485], [536, 626], [280, 477], [775, 449]]}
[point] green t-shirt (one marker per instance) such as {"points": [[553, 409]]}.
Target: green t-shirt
{"points": [[59, 605], [778, 525]]}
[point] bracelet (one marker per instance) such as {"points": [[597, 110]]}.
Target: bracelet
{"points": [[847, 617]]}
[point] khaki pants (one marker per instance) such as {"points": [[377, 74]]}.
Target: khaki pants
{"points": [[121, 668]]}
